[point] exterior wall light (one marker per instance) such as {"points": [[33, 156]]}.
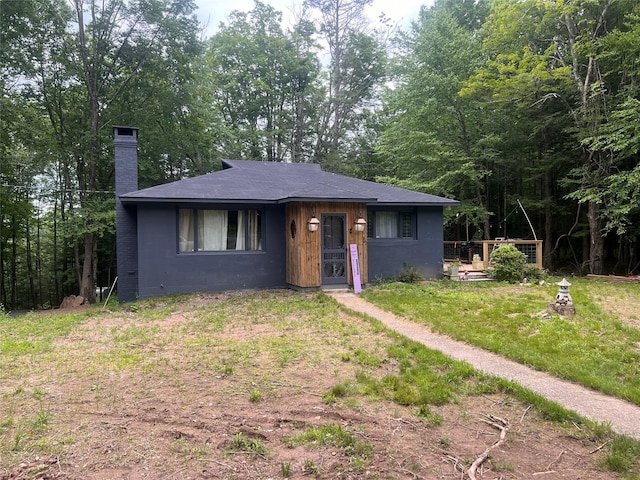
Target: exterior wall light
{"points": [[314, 223], [361, 224]]}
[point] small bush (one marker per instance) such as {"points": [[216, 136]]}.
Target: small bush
{"points": [[410, 274], [533, 273], [508, 264]]}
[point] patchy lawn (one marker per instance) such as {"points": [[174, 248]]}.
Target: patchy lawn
{"points": [[266, 385], [599, 347]]}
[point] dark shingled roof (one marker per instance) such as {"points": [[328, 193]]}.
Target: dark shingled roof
{"points": [[243, 181]]}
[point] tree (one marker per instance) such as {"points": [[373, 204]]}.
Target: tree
{"points": [[436, 140], [28, 29], [265, 82], [517, 79], [120, 60], [357, 66], [564, 62]]}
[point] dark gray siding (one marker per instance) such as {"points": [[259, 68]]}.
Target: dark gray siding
{"points": [[388, 256], [164, 271]]}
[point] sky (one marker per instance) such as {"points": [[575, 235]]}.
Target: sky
{"points": [[212, 12]]}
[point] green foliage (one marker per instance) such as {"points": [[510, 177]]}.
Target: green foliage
{"points": [[432, 419], [265, 83], [255, 396], [34, 333], [409, 274], [310, 467], [242, 443], [533, 273], [333, 435], [426, 377], [508, 264], [622, 455], [285, 469], [439, 142], [356, 71]]}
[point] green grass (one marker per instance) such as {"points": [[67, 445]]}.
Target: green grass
{"points": [[240, 443], [34, 333], [593, 348], [249, 341], [336, 436]]}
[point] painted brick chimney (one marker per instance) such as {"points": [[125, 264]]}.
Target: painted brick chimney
{"points": [[125, 145]]}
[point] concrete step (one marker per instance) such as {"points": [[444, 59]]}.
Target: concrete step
{"points": [[471, 276]]}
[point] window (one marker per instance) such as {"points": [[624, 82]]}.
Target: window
{"points": [[390, 224], [219, 230]]}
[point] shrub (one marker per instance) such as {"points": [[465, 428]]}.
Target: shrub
{"points": [[533, 273], [508, 264], [410, 274]]}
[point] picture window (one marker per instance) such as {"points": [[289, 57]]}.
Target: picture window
{"points": [[204, 230]]}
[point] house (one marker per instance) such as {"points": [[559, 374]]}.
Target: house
{"points": [[259, 225]]}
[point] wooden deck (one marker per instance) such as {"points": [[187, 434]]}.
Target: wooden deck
{"points": [[466, 273], [465, 251]]}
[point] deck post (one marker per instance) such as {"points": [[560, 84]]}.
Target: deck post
{"points": [[485, 253], [539, 253]]}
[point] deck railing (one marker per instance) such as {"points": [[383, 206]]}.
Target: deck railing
{"points": [[464, 251]]}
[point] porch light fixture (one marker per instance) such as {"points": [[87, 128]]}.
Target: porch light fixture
{"points": [[361, 224], [314, 223]]}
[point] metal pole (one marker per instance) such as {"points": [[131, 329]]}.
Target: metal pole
{"points": [[527, 217]]}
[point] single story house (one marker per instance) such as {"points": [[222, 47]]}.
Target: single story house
{"points": [[259, 225]]}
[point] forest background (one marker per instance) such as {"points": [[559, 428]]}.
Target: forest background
{"points": [[488, 102]]}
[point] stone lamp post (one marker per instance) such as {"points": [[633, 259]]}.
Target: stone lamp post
{"points": [[564, 303]]}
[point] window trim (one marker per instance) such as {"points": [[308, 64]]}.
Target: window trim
{"points": [[195, 218]]}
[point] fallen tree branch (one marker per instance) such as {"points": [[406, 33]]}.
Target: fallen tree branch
{"points": [[217, 462], [559, 456], [525, 413], [499, 424], [600, 447]]}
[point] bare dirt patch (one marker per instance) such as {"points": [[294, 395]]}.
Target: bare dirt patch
{"points": [[622, 302], [129, 396]]}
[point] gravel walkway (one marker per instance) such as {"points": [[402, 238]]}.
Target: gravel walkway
{"points": [[623, 416]]}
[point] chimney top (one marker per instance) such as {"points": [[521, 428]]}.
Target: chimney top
{"points": [[125, 134]]}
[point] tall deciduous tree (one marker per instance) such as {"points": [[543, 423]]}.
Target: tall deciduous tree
{"points": [[90, 64], [357, 66], [435, 140], [265, 82], [564, 61], [114, 41]]}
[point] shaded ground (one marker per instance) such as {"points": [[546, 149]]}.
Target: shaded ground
{"points": [[171, 392]]}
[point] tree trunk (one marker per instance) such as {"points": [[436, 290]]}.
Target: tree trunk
{"points": [[3, 290], [596, 240], [53, 298], [14, 263], [88, 279], [30, 273], [547, 246]]}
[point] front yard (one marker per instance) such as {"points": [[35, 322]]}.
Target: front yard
{"points": [[281, 384]]}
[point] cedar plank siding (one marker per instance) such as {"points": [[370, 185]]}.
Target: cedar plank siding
{"points": [[304, 251]]}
